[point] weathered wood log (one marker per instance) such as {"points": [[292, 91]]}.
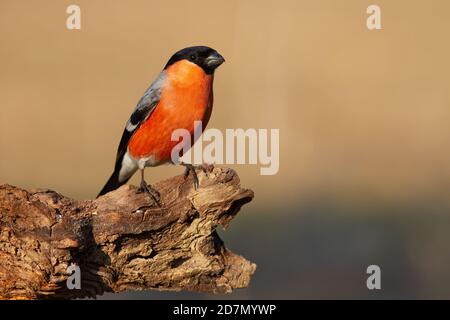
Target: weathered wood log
{"points": [[122, 240]]}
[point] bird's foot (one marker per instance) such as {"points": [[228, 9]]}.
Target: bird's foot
{"points": [[192, 168], [144, 187]]}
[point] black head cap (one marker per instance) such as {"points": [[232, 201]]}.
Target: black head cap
{"points": [[206, 58]]}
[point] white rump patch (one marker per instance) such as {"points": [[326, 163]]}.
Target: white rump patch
{"points": [[129, 166]]}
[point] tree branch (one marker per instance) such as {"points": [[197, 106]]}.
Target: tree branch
{"points": [[122, 240]]}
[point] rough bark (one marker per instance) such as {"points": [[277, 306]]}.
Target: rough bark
{"points": [[122, 240]]}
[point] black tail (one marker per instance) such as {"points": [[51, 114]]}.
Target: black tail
{"points": [[112, 184]]}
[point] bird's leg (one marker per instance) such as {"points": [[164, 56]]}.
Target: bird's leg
{"points": [[144, 187], [190, 168]]}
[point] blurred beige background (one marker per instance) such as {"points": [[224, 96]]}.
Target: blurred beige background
{"points": [[363, 115], [358, 110]]}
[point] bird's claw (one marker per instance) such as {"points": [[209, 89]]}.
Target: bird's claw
{"points": [[191, 168], [144, 187]]}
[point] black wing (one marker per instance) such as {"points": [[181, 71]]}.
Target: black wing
{"points": [[143, 110]]}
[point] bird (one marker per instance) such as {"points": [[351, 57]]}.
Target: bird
{"points": [[181, 94]]}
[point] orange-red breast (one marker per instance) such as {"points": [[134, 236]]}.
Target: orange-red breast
{"points": [[180, 95]]}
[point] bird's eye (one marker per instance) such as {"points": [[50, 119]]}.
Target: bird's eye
{"points": [[193, 57]]}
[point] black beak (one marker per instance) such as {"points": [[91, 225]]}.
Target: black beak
{"points": [[214, 60]]}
